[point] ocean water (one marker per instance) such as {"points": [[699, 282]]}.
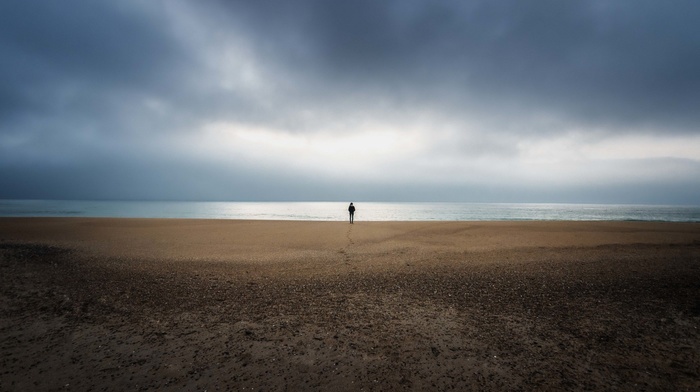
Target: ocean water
{"points": [[337, 211]]}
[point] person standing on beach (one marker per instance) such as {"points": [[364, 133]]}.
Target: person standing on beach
{"points": [[351, 209]]}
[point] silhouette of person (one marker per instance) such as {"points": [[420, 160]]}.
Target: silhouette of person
{"points": [[351, 209]]}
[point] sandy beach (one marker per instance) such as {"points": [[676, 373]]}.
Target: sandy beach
{"points": [[146, 304]]}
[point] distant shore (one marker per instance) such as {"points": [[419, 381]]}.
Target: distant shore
{"points": [[188, 304]]}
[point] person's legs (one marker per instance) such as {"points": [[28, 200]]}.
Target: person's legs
{"points": [[352, 217]]}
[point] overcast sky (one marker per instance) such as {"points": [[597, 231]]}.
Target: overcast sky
{"points": [[407, 100]]}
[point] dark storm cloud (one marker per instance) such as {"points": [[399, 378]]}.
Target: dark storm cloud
{"points": [[624, 63], [49, 47], [619, 64], [75, 75]]}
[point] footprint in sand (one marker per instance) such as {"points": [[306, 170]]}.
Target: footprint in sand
{"points": [[344, 251], [350, 241]]}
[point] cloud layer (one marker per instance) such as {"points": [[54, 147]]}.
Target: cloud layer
{"points": [[586, 101]]}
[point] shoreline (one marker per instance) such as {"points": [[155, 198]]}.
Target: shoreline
{"points": [[123, 303], [359, 221], [368, 211]]}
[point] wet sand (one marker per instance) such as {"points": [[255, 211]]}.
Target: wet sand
{"points": [[145, 304]]}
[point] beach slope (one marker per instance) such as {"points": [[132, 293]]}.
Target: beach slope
{"points": [[136, 304]]}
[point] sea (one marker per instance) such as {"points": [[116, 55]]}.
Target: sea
{"points": [[337, 211]]}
